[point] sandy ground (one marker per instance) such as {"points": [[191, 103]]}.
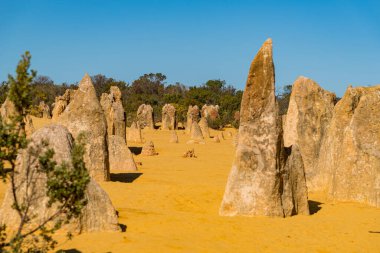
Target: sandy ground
{"points": [[171, 205]]}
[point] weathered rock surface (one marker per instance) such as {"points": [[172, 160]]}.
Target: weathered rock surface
{"points": [[134, 133], [120, 156], [8, 112], [98, 215], [114, 112], [204, 127], [84, 114], [196, 134], [61, 102], [168, 117], [210, 111], [148, 149], [44, 109], [192, 115], [173, 137], [145, 116], [310, 112], [262, 175], [349, 161]]}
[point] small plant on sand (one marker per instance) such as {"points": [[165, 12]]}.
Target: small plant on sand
{"points": [[65, 185]]}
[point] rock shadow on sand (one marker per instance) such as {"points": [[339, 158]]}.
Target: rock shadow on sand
{"points": [[314, 206], [125, 177], [135, 150]]}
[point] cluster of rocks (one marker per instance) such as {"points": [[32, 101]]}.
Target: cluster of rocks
{"points": [[339, 143], [44, 110], [61, 102], [189, 154]]}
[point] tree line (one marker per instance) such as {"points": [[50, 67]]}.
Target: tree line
{"points": [[153, 89]]}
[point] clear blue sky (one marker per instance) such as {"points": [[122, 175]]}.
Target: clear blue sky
{"points": [[336, 43]]}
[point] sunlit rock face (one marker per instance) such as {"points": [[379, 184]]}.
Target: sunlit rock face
{"points": [[264, 176]]}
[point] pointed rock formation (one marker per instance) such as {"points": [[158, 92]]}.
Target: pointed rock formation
{"points": [[310, 112], [204, 127], [134, 133], [262, 176], [349, 160], [168, 117], [216, 139], [173, 137], [192, 115], [84, 114], [145, 116], [148, 149], [97, 215]]}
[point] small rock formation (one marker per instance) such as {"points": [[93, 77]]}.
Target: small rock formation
{"points": [[168, 117], [216, 139], [44, 109], [97, 215], [204, 127], [173, 137], [349, 161], [85, 114], [309, 113], [8, 111], [114, 112], [196, 134], [148, 149], [134, 133], [61, 102], [192, 115], [264, 176], [210, 111], [189, 154], [145, 116]]}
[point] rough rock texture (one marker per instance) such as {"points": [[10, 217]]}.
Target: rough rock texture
{"points": [[204, 127], [134, 133], [148, 149], [120, 156], [349, 161], [309, 113], [61, 102], [196, 132], [192, 115], [210, 111], [168, 117], [173, 137], [145, 116], [85, 114], [189, 154], [262, 176], [8, 111], [98, 215], [44, 109], [114, 112]]}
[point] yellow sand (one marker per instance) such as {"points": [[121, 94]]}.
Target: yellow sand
{"points": [[173, 207]]}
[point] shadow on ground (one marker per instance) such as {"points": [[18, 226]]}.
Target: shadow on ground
{"points": [[314, 206], [125, 177], [68, 251], [135, 150]]}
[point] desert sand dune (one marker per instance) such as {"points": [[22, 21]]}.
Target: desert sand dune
{"points": [[171, 205]]}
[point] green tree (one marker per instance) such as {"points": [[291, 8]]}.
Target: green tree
{"points": [[66, 183]]}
